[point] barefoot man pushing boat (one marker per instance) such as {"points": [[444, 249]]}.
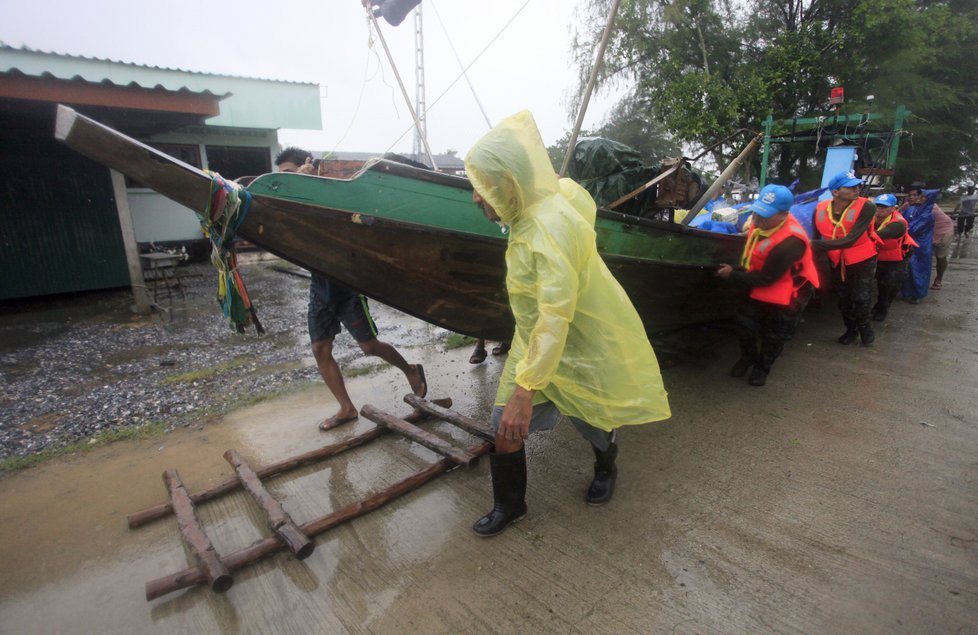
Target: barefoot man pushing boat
{"points": [[579, 348], [332, 304]]}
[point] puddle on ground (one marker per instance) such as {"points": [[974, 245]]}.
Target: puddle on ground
{"points": [[64, 539]]}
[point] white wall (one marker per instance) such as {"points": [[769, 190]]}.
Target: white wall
{"points": [[158, 219]]}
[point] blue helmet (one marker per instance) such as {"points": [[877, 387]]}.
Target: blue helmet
{"points": [[844, 179], [885, 200], [771, 200]]}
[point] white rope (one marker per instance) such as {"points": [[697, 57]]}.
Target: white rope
{"points": [[407, 99], [363, 86], [451, 45], [465, 70]]}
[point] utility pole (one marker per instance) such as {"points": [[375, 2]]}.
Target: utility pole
{"points": [[421, 130]]}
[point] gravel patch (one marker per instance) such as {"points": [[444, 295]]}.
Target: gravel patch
{"points": [[73, 368]]}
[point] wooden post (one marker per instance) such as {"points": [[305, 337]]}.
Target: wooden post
{"points": [[466, 423], [278, 520], [139, 293], [415, 433], [642, 188], [725, 176], [150, 514], [592, 80], [211, 567], [234, 561]]}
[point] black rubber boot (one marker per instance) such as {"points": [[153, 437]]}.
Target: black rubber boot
{"points": [[878, 314], [866, 334], [740, 368], [508, 493], [605, 473], [851, 334], [758, 376]]}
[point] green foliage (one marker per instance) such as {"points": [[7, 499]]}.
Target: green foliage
{"points": [[705, 68], [125, 433], [457, 340], [207, 373]]}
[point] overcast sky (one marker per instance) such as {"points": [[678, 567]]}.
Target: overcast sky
{"points": [[326, 42]]}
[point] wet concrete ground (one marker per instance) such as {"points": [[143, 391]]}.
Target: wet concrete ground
{"points": [[840, 498]]}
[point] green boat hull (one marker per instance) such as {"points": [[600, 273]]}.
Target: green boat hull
{"points": [[414, 240]]}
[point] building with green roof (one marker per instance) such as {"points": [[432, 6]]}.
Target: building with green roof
{"points": [[69, 224]]}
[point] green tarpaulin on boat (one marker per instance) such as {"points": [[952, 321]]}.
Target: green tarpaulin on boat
{"points": [[609, 170]]}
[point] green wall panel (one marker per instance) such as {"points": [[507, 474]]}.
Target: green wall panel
{"points": [[59, 230]]}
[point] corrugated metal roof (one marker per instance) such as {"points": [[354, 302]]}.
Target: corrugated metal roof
{"points": [[183, 71], [250, 102]]}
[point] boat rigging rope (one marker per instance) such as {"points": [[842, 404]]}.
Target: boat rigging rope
{"points": [[460, 65], [367, 76], [414, 115], [227, 207], [464, 70]]}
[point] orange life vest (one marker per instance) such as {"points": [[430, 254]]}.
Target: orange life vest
{"points": [[784, 289], [895, 249], [865, 246]]}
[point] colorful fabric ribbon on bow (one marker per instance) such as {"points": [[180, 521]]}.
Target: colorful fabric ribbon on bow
{"points": [[227, 208]]}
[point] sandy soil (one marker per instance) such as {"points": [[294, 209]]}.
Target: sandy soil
{"points": [[840, 498]]}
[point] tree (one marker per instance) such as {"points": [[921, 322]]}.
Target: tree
{"points": [[704, 68]]}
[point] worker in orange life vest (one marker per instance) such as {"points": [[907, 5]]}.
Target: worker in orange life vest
{"points": [[777, 265], [891, 266], [844, 231]]}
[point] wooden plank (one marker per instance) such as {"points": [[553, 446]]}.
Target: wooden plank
{"points": [[468, 424], [194, 576], [418, 435], [279, 521], [150, 514], [212, 569]]}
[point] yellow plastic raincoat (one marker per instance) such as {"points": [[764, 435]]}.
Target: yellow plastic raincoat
{"points": [[579, 341]]}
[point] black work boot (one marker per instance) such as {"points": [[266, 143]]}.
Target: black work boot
{"points": [[866, 334], [740, 368], [852, 332], [508, 493], [605, 473], [758, 376], [879, 314]]}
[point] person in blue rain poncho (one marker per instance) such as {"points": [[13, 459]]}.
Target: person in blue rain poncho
{"points": [[918, 210], [579, 348]]}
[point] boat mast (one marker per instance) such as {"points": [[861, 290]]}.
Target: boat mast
{"points": [[592, 80], [400, 83]]}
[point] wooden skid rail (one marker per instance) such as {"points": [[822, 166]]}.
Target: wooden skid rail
{"points": [[216, 571], [140, 518], [192, 532], [279, 522], [437, 410], [415, 433]]}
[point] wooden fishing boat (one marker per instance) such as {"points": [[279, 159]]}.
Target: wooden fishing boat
{"points": [[413, 239]]}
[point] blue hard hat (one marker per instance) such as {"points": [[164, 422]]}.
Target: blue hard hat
{"points": [[844, 179], [771, 200], [885, 200]]}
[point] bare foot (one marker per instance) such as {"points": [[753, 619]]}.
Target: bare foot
{"points": [[419, 385], [337, 420]]}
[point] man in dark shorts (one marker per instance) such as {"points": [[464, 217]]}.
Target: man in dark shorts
{"points": [[332, 304]]}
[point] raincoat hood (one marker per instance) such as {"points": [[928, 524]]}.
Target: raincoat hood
{"points": [[510, 167]]}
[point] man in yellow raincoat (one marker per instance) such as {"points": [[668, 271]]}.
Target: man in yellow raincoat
{"points": [[579, 348]]}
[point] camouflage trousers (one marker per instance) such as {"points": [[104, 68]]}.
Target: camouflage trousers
{"points": [[854, 283], [889, 277], [763, 328]]}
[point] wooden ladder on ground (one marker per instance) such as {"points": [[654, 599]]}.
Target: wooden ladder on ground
{"points": [[215, 570]]}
